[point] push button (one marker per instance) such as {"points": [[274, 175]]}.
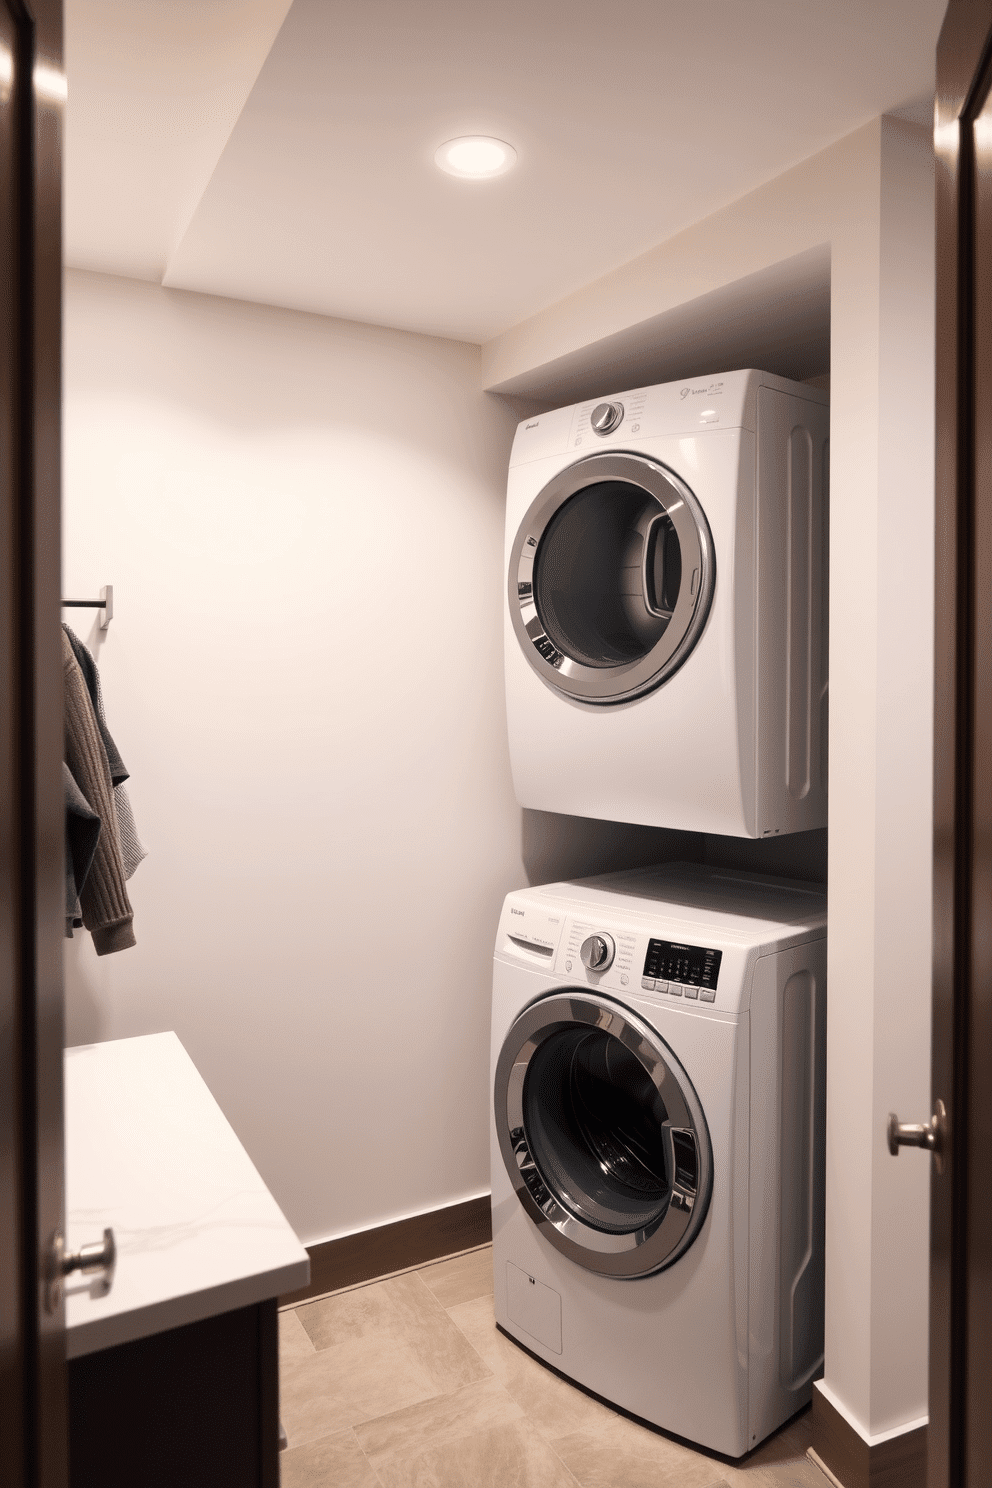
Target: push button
{"points": [[707, 994], [692, 992], [647, 984], [674, 989]]}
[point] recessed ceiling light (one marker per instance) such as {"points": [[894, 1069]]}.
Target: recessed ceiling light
{"points": [[475, 155]]}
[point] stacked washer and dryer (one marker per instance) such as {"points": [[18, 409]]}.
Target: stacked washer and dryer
{"points": [[658, 1037]]}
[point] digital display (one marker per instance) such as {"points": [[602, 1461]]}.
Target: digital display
{"points": [[668, 961]]}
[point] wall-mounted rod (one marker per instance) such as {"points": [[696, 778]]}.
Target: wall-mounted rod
{"points": [[104, 603]]}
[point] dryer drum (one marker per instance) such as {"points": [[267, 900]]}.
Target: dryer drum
{"points": [[611, 577], [602, 1135]]}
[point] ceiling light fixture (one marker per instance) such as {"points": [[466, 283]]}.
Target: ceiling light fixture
{"points": [[475, 156]]}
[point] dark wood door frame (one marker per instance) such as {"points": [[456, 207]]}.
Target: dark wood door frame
{"points": [[32, 1351], [960, 1430]]}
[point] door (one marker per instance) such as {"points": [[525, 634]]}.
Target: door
{"points": [[32, 1343], [602, 1135], [960, 1432], [611, 577]]}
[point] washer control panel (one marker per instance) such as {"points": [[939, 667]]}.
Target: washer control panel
{"points": [[624, 959], [681, 970]]}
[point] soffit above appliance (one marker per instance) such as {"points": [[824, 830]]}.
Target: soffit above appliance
{"points": [[284, 153]]}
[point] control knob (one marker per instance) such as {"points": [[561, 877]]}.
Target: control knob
{"points": [[598, 951], [606, 416]]}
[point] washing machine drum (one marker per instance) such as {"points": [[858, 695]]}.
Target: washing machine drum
{"points": [[611, 577], [602, 1135]]}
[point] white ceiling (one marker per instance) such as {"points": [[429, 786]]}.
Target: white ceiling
{"points": [[282, 150]]}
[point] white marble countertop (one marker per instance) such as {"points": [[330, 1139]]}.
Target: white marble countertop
{"points": [[149, 1152]]}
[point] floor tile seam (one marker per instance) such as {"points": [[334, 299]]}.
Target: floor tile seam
{"points": [[491, 1373], [303, 1327], [402, 1325], [358, 1286], [315, 1441], [469, 1341], [403, 1342], [445, 1395], [520, 1387], [520, 1391], [388, 1323], [353, 1426], [366, 1458], [561, 1461], [428, 1391]]}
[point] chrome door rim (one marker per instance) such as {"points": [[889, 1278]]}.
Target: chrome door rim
{"points": [[620, 683], [634, 1253]]}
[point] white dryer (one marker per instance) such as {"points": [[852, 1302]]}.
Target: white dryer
{"points": [[658, 1065], [665, 634]]}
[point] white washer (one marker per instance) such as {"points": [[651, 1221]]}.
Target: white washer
{"points": [[665, 632], [658, 1065]]}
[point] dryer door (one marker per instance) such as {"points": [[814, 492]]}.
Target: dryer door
{"points": [[602, 1135], [611, 577]]}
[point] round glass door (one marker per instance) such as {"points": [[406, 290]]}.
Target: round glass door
{"points": [[611, 577], [602, 1135]]}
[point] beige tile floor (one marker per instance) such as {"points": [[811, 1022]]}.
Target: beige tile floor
{"points": [[405, 1383]]}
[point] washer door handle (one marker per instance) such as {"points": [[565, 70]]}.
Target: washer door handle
{"points": [[647, 564]]}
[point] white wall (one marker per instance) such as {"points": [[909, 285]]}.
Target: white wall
{"points": [[302, 520], [869, 200], [881, 782], [904, 765]]}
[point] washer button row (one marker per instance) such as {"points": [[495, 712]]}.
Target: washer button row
{"points": [[679, 989]]}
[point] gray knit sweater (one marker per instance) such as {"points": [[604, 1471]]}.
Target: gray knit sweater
{"points": [[107, 914]]}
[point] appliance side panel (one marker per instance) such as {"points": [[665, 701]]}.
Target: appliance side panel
{"points": [[740, 1219], [821, 600], [788, 1065], [763, 1193], [791, 600], [803, 1165], [746, 629]]}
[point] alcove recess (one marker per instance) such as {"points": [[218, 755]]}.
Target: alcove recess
{"points": [[778, 320]]}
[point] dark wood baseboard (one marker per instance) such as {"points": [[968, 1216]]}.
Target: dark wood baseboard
{"points": [[900, 1462], [394, 1247]]}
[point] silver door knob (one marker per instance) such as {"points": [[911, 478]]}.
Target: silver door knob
{"points": [[597, 952], [932, 1136], [101, 1255]]}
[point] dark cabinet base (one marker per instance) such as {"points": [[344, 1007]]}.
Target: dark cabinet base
{"points": [[196, 1406]]}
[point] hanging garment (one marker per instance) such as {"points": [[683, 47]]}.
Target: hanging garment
{"points": [[82, 832], [132, 851], [106, 911]]}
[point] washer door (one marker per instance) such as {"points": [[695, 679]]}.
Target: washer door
{"points": [[611, 577], [602, 1135]]}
